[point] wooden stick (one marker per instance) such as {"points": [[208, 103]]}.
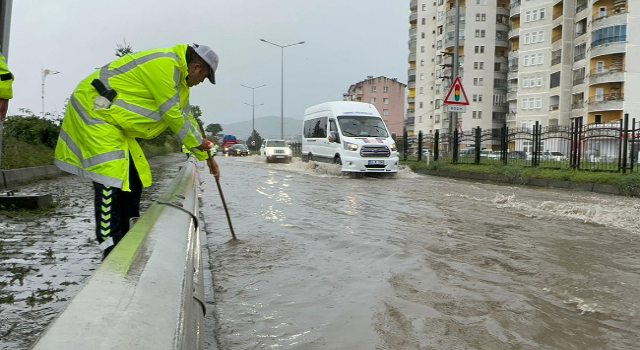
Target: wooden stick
{"points": [[211, 171]]}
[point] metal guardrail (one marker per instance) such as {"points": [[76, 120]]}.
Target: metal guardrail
{"points": [[149, 292]]}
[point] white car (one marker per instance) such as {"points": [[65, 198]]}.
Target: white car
{"points": [[276, 151]]}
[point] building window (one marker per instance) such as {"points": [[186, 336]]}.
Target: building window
{"points": [[532, 81], [438, 88], [424, 21], [373, 88], [478, 65], [527, 16], [437, 118], [478, 81], [385, 89], [440, 15], [424, 7], [526, 60], [420, 105], [579, 52], [477, 114], [598, 119], [479, 49], [540, 58], [481, 2], [386, 101], [439, 44], [525, 102], [385, 112], [609, 35], [554, 80], [534, 37], [525, 82], [438, 103], [422, 35], [542, 13], [421, 76], [373, 100], [420, 117], [527, 39], [538, 102], [534, 15], [421, 49], [422, 90], [540, 81], [531, 103]]}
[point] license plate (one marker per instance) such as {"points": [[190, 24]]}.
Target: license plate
{"points": [[376, 162], [279, 156]]}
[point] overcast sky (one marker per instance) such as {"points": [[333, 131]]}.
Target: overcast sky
{"points": [[345, 42]]}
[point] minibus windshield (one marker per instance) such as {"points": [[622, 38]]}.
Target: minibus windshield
{"points": [[362, 126]]}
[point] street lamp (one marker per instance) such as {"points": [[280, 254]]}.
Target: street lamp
{"points": [[282, 82], [253, 104], [45, 72]]}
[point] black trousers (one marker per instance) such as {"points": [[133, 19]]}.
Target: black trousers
{"points": [[114, 208]]}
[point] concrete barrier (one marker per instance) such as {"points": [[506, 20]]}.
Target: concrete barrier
{"points": [[14, 177], [149, 292]]}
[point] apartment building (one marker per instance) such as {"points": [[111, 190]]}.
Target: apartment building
{"points": [[386, 94], [559, 60], [483, 69]]}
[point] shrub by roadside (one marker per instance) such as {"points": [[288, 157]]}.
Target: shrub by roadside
{"points": [[628, 184]]}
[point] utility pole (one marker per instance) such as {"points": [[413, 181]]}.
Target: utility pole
{"points": [[253, 106]]}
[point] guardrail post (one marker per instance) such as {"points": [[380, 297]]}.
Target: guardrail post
{"points": [[632, 157]]}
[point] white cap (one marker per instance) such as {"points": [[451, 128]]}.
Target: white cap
{"points": [[207, 54]]}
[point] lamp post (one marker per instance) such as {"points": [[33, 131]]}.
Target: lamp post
{"points": [[253, 104], [281, 82], [45, 72]]}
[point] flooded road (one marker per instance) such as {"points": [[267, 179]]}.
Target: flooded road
{"points": [[417, 262]]}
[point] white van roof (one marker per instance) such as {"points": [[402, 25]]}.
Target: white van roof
{"points": [[344, 108]]}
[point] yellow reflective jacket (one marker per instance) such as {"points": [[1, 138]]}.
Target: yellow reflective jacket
{"points": [[6, 79], [152, 94]]}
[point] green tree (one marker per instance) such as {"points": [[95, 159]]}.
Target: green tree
{"points": [[214, 129], [196, 112], [254, 136], [123, 49]]}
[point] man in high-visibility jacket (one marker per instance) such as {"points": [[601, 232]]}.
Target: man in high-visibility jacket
{"points": [[136, 96], [6, 92]]}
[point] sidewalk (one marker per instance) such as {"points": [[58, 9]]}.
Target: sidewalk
{"points": [[46, 255]]}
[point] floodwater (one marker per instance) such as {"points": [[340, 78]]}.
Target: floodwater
{"points": [[417, 262]]}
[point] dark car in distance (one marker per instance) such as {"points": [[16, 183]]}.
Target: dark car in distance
{"points": [[238, 150]]}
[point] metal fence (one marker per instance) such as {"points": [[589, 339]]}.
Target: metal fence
{"points": [[612, 146]]}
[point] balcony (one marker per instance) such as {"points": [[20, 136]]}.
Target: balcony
{"points": [[502, 27], [411, 99], [600, 48], [502, 11], [513, 74], [577, 104], [413, 5], [606, 102], [409, 121], [512, 94], [578, 81], [413, 18], [412, 57], [412, 73], [411, 85], [515, 32], [450, 42], [515, 8], [608, 74], [413, 32], [609, 18]]}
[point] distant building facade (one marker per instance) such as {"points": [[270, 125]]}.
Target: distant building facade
{"points": [[386, 94]]}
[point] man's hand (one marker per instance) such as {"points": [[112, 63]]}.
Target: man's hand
{"points": [[215, 170], [4, 106], [205, 145]]}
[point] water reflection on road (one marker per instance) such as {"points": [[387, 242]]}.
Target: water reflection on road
{"points": [[415, 262]]}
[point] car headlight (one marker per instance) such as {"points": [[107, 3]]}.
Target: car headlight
{"points": [[392, 146], [350, 146]]}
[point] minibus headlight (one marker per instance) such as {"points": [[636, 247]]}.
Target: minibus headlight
{"points": [[393, 146], [350, 146]]}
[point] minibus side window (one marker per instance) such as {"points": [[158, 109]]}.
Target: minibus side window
{"points": [[333, 131]]}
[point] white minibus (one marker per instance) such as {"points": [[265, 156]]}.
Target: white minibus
{"points": [[351, 134]]}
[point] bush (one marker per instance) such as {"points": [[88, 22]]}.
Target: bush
{"points": [[32, 129], [18, 154]]}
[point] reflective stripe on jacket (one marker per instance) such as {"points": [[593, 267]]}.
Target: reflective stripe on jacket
{"points": [[6, 80], [152, 94]]}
